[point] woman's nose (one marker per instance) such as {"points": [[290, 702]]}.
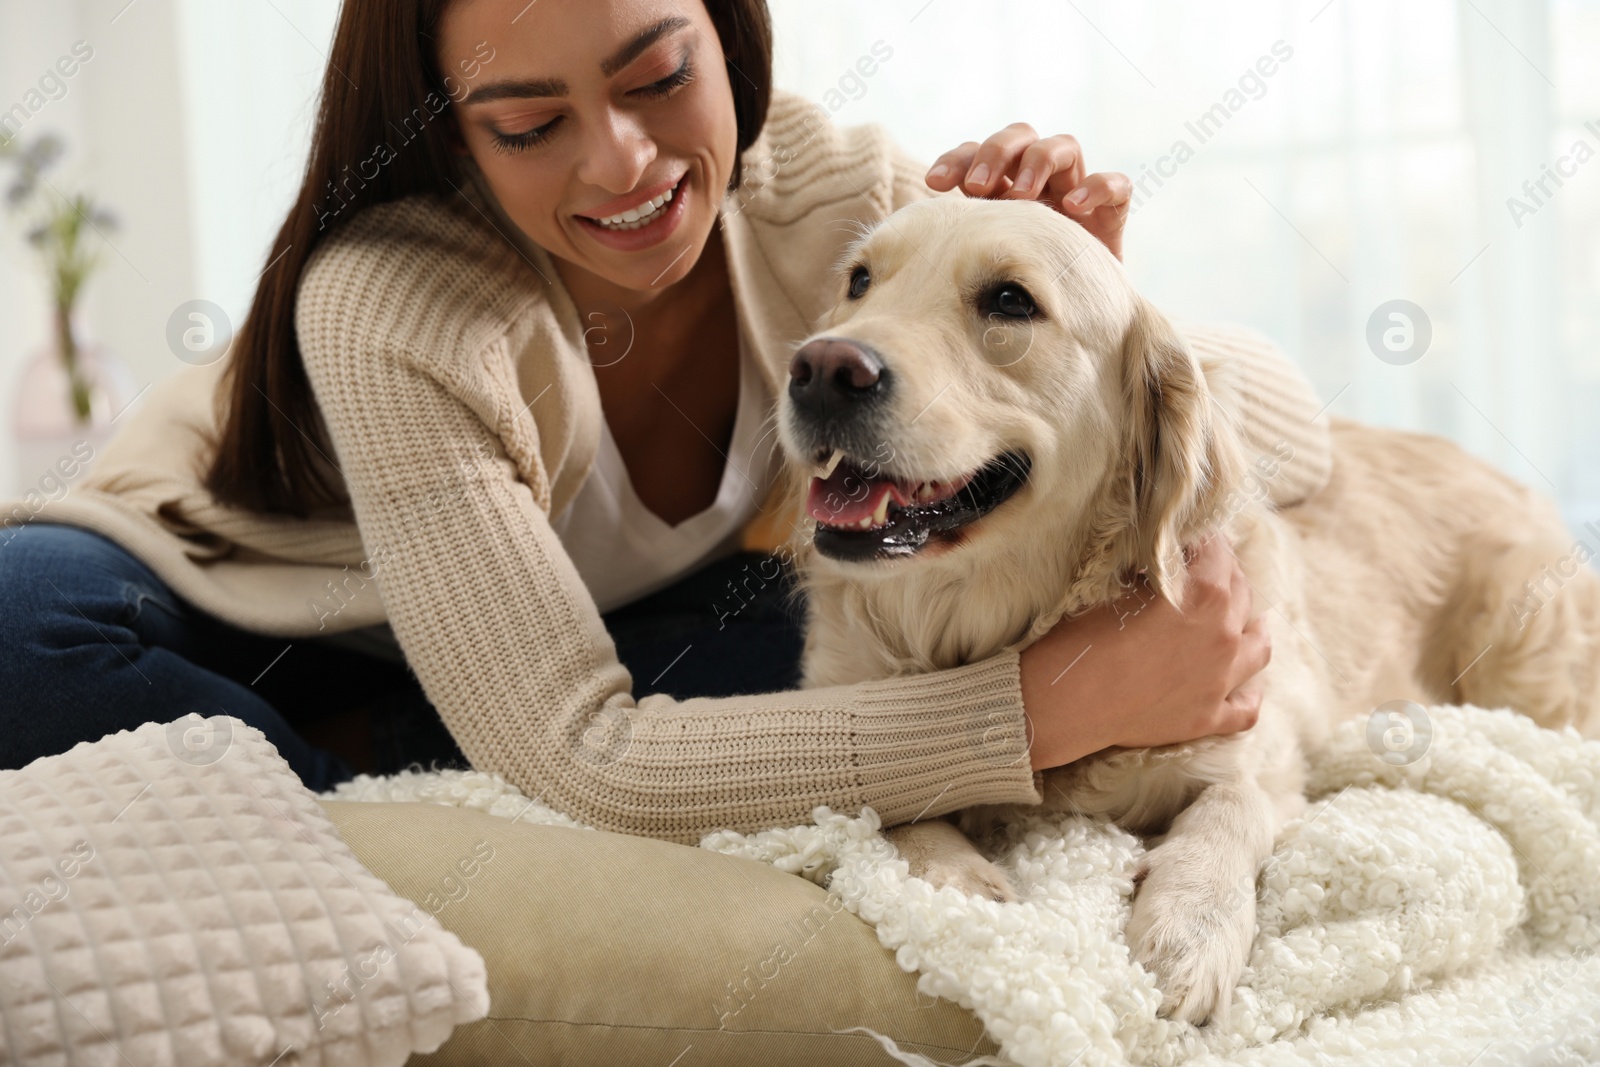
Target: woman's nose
{"points": [[618, 152]]}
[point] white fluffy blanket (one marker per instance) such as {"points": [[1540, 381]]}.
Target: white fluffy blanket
{"points": [[1445, 912]]}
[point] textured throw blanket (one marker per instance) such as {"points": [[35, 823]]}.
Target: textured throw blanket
{"points": [[1446, 911]]}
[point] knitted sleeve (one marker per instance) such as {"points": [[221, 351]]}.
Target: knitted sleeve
{"points": [[1276, 410], [510, 648], [1278, 407]]}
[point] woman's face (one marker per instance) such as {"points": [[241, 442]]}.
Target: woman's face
{"points": [[593, 109]]}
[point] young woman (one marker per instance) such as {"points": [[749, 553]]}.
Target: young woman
{"points": [[509, 367]]}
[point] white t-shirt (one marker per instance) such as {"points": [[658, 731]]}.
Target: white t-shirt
{"points": [[624, 551]]}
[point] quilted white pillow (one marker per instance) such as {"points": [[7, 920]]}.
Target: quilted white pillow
{"points": [[174, 895]]}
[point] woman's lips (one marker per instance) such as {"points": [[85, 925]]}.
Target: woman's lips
{"points": [[646, 236], [618, 205]]}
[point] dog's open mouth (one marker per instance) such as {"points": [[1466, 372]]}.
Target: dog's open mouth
{"points": [[864, 513]]}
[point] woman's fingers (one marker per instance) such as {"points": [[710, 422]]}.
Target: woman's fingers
{"points": [[1048, 169], [1210, 561], [996, 159], [983, 169], [1102, 205], [1106, 189], [1241, 600], [950, 169], [1254, 653], [1215, 571], [1213, 567], [1242, 710], [1017, 164]]}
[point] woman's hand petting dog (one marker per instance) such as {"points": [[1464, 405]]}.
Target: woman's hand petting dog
{"points": [[1139, 673], [1018, 164]]}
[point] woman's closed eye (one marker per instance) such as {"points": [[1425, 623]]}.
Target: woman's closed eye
{"points": [[659, 89], [518, 142], [666, 86]]}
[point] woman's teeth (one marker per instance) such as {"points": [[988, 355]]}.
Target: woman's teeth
{"points": [[643, 215]]}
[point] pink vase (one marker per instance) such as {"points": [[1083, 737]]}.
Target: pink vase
{"points": [[57, 430]]}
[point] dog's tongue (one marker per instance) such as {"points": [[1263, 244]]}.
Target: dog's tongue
{"points": [[850, 497], [847, 496]]}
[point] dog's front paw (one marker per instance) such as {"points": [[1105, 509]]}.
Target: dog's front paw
{"points": [[972, 874], [1192, 930]]}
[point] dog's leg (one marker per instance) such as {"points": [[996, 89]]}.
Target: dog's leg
{"points": [[939, 853], [1194, 915]]}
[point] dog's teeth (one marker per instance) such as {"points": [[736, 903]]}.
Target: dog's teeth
{"points": [[924, 491], [865, 524], [833, 462], [881, 515]]}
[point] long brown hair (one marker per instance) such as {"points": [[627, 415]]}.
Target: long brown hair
{"points": [[382, 82]]}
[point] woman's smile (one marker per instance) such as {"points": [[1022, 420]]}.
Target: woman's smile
{"points": [[635, 222], [612, 152]]}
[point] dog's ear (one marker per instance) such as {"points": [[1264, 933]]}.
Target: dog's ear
{"points": [[1181, 454]]}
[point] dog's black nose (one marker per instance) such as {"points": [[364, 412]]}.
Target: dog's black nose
{"points": [[829, 375]]}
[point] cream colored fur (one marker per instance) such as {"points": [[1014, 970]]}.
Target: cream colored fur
{"points": [[1389, 584]]}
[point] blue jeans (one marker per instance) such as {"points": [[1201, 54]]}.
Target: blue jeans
{"points": [[92, 642]]}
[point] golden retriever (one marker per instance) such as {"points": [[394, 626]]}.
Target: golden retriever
{"points": [[1014, 432]]}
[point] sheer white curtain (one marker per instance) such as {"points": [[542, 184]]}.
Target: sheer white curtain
{"points": [[1340, 155]]}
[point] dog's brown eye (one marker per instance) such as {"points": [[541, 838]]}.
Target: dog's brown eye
{"points": [[1010, 300], [859, 280]]}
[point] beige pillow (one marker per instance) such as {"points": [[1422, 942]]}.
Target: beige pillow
{"points": [[173, 895], [608, 949]]}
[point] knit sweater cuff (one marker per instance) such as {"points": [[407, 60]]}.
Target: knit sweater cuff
{"points": [[935, 743]]}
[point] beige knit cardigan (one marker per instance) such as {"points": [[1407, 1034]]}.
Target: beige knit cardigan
{"points": [[450, 366]]}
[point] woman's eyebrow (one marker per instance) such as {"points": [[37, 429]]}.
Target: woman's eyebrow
{"points": [[537, 87], [630, 51]]}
